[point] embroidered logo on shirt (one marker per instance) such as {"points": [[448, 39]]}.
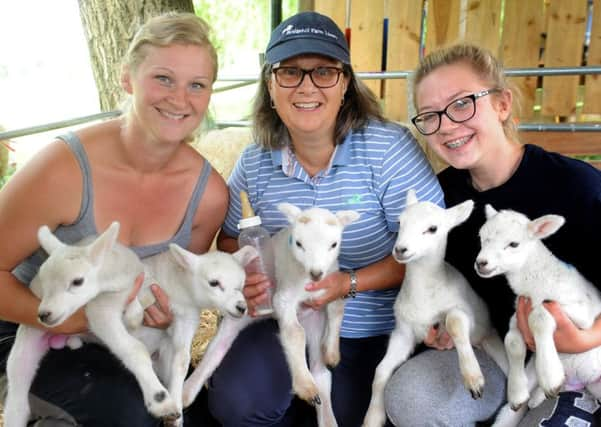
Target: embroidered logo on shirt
{"points": [[353, 200]]}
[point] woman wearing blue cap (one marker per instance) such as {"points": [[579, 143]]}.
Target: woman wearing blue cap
{"points": [[320, 140]]}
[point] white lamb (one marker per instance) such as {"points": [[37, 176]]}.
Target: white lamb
{"points": [[433, 293], [511, 245], [99, 275], [193, 283], [305, 251]]}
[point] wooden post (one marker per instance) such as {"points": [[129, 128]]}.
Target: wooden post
{"points": [[483, 24], [592, 86], [404, 28], [565, 42], [523, 21], [366, 41], [442, 23]]}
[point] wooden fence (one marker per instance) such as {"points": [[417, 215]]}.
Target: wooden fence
{"points": [[523, 33]]}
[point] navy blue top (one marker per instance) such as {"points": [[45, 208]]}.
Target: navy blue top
{"points": [[544, 183]]}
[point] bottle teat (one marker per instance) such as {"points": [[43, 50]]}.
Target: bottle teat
{"points": [[247, 209], [249, 219]]}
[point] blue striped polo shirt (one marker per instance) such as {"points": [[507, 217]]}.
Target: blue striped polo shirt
{"points": [[370, 172]]}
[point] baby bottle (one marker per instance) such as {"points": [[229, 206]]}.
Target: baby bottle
{"points": [[251, 233]]}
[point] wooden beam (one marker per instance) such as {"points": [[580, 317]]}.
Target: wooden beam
{"points": [[569, 143]]}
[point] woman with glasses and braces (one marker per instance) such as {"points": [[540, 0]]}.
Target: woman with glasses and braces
{"points": [[320, 140], [464, 110]]}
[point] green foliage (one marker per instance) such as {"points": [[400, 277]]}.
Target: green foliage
{"points": [[241, 29], [10, 170]]}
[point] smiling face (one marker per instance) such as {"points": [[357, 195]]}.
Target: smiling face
{"points": [[473, 143], [308, 110], [171, 90]]}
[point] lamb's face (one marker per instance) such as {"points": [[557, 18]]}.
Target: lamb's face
{"points": [[69, 278], [220, 278], [423, 227], [505, 244], [315, 237], [68, 281]]}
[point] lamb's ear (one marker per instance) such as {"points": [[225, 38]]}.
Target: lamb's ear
{"points": [[346, 217], [490, 211], [183, 257], [289, 210], [411, 197], [461, 212], [245, 255], [103, 243], [48, 241], [545, 226]]}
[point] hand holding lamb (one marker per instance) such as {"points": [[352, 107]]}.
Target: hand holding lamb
{"points": [[511, 245]]}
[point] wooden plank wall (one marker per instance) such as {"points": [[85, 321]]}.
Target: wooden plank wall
{"points": [[592, 93], [523, 33], [523, 21], [563, 48]]}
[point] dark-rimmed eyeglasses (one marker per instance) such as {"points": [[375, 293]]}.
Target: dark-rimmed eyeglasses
{"points": [[322, 77], [458, 111]]}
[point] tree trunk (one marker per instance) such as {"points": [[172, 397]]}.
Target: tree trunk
{"points": [[109, 26]]}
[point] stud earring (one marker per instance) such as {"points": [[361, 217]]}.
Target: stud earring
{"points": [[272, 103]]}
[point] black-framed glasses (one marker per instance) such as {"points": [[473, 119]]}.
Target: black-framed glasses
{"points": [[458, 111], [322, 77]]}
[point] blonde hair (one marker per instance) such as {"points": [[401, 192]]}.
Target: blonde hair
{"points": [[166, 30], [488, 68]]}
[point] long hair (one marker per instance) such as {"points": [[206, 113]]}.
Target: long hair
{"points": [[488, 68], [360, 105]]}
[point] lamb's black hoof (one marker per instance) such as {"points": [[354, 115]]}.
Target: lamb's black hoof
{"points": [[517, 407], [476, 394], [315, 401]]}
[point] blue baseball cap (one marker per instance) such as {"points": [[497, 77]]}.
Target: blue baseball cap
{"points": [[305, 33]]}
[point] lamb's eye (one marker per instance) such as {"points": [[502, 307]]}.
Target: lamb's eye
{"points": [[299, 244], [513, 244], [77, 282], [214, 283], [333, 246], [432, 229]]}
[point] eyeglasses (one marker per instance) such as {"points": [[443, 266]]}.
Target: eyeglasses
{"points": [[458, 111], [322, 77]]}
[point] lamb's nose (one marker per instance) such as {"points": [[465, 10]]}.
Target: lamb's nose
{"points": [[241, 307], [316, 275], [399, 250], [44, 315], [481, 263]]}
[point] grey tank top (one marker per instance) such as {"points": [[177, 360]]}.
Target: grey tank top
{"points": [[85, 224]]}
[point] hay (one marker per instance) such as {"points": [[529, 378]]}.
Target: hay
{"points": [[209, 320], [222, 147]]}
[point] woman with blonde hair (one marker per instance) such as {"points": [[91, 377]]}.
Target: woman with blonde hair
{"points": [[136, 169], [464, 108]]}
